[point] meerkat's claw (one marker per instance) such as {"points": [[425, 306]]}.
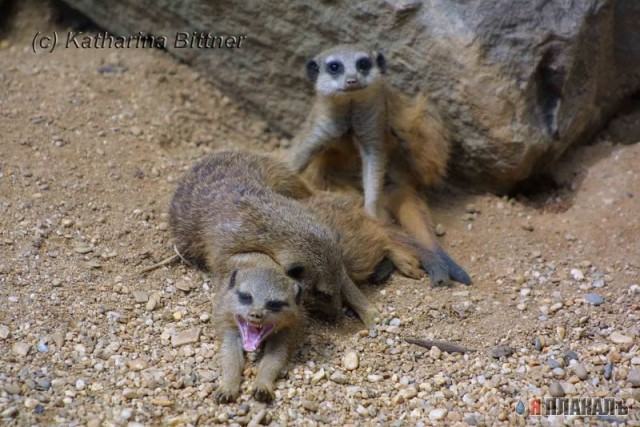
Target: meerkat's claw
{"points": [[264, 393], [226, 395]]}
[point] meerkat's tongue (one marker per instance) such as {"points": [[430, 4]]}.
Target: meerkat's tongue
{"points": [[253, 336]]}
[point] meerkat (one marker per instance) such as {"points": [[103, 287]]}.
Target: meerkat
{"points": [[364, 242], [260, 307], [361, 133], [217, 214]]}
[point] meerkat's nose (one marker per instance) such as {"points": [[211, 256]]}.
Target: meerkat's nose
{"points": [[255, 316], [351, 80]]}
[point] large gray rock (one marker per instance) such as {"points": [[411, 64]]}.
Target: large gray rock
{"points": [[518, 81]]}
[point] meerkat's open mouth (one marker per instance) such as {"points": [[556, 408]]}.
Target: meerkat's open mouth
{"points": [[253, 335]]}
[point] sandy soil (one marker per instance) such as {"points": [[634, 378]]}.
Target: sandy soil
{"points": [[91, 144]]}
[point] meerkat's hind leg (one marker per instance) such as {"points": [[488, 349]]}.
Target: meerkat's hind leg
{"points": [[413, 215], [355, 299]]}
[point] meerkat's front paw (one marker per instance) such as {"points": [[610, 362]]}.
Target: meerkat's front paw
{"points": [[226, 394], [369, 316], [264, 393]]}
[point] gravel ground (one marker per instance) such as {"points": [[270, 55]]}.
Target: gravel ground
{"points": [[92, 143]]}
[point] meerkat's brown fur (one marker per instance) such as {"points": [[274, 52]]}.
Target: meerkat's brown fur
{"points": [[218, 212]]}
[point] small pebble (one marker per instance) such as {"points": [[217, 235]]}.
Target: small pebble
{"points": [[339, 378], [577, 274], [10, 412], [140, 296], [502, 351], [437, 414], [318, 376], [184, 286], [598, 283], [152, 304], [555, 307], [58, 339], [435, 352], [80, 384], [4, 332], [43, 384], [559, 372], [21, 348], [12, 388], [619, 338], [374, 378], [561, 331], [350, 361], [188, 336], [570, 355], [634, 377], [83, 249], [593, 299], [556, 389], [608, 371], [553, 363], [129, 393], [440, 230]]}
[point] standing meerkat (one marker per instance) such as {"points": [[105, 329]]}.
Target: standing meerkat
{"points": [[217, 214], [363, 134], [260, 306]]}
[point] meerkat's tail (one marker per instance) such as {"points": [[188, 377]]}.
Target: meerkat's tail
{"points": [[421, 131]]}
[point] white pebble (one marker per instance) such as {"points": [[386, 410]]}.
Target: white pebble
{"points": [[350, 361], [577, 274], [437, 414]]}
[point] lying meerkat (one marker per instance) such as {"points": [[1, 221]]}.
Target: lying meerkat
{"points": [[261, 306], [361, 133], [218, 213]]}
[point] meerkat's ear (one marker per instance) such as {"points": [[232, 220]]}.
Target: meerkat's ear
{"points": [[296, 271], [382, 63], [232, 280], [298, 294], [313, 70]]}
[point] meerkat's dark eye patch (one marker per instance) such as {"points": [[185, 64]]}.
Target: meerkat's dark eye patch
{"points": [[295, 271], [313, 69], [245, 298], [364, 65], [276, 306], [335, 67]]}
